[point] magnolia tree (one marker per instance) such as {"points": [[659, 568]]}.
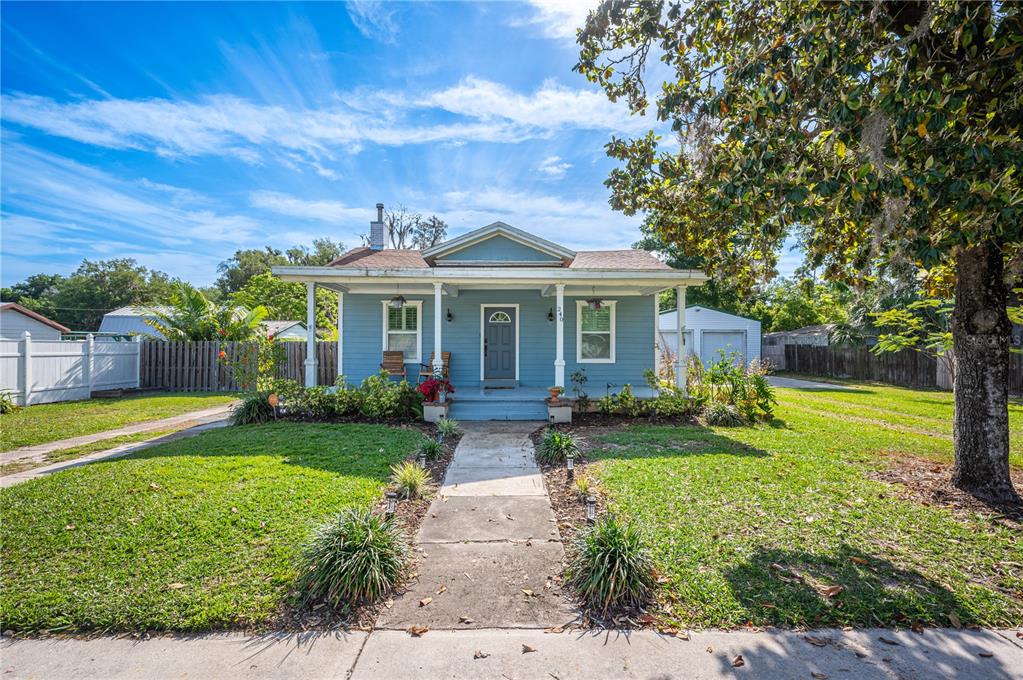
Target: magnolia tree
{"points": [[880, 133]]}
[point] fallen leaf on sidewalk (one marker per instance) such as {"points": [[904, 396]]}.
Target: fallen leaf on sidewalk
{"points": [[555, 629], [425, 601], [442, 589], [510, 517], [683, 635], [738, 661], [917, 627], [953, 618], [389, 603], [818, 676], [815, 641], [528, 592], [480, 654], [986, 655], [465, 619], [467, 575], [888, 641], [417, 631], [526, 649]]}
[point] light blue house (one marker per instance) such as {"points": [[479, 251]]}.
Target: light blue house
{"points": [[517, 313]]}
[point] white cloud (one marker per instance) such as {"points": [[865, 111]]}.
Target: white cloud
{"points": [[554, 167], [256, 133], [331, 212], [557, 19], [375, 20]]}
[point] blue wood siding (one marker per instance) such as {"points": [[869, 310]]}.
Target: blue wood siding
{"points": [[362, 338], [499, 248]]}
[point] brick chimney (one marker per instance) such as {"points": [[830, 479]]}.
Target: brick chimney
{"points": [[379, 234]]}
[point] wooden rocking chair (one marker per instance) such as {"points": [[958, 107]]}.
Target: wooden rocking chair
{"points": [[426, 370], [394, 364]]}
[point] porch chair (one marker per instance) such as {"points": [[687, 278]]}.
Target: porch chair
{"points": [[394, 364], [426, 370]]}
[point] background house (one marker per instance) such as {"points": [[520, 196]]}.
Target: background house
{"points": [[15, 320], [132, 321], [710, 330]]}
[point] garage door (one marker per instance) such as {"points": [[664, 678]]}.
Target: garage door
{"points": [[715, 341]]}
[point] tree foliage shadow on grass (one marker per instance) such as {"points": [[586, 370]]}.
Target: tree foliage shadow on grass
{"points": [[798, 588]]}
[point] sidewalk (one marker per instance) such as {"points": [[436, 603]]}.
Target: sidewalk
{"points": [[188, 424], [394, 655]]}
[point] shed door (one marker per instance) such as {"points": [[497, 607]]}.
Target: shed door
{"points": [[712, 342], [499, 343]]}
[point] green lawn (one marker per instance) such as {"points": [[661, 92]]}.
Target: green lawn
{"points": [[50, 422], [754, 524], [194, 534]]}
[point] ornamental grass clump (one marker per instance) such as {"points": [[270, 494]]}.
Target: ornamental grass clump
{"points": [[354, 558], [431, 449], [254, 408], [410, 480], [447, 427], [610, 567], [556, 446]]}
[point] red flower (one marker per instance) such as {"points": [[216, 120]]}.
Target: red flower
{"points": [[222, 332], [270, 337], [223, 354], [432, 387]]}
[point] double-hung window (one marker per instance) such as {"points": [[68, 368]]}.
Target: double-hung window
{"points": [[595, 333], [403, 330]]}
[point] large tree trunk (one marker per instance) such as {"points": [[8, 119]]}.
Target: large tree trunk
{"points": [[980, 340]]}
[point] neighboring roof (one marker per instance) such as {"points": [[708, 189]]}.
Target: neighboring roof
{"points": [[506, 230], [617, 259], [821, 329], [15, 307], [278, 327], [141, 311], [667, 321], [710, 309], [389, 258]]}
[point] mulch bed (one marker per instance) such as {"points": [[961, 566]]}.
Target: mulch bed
{"points": [[409, 514], [928, 482]]}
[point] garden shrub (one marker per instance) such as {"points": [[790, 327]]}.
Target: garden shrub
{"points": [[610, 567], [431, 448], [409, 479], [583, 487], [723, 415], [555, 446], [7, 404], [624, 404], [381, 398], [254, 408], [355, 557]]}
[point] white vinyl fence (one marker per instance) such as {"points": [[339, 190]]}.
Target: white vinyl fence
{"points": [[40, 372]]}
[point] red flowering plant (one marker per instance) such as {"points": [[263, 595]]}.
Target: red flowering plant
{"points": [[432, 387]]}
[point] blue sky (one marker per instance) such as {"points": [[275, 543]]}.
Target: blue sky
{"points": [[177, 133]]}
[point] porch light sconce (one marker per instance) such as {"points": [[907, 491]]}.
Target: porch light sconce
{"points": [[550, 315], [392, 502], [397, 302], [570, 466], [591, 510], [451, 317]]}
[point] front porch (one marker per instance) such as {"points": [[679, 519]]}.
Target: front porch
{"points": [[521, 403]]}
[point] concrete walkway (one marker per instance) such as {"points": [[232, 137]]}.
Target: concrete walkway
{"points": [[188, 425], [470, 654], [490, 551]]}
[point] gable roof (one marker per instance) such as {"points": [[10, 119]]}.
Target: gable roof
{"points": [[495, 229], [617, 259], [15, 307], [277, 327], [389, 258]]}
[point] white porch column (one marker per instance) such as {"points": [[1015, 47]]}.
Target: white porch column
{"points": [[559, 343], [310, 334], [680, 323], [438, 303], [340, 346]]}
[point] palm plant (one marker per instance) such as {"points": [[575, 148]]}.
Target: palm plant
{"points": [[193, 316]]}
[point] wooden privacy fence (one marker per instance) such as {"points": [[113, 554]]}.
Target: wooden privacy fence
{"points": [[197, 366], [906, 368]]}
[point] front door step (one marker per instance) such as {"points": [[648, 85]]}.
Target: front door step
{"points": [[484, 583], [500, 384]]}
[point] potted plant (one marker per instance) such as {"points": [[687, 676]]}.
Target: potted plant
{"points": [[435, 403], [556, 391]]}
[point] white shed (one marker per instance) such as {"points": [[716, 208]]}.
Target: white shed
{"points": [[15, 320], [710, 330]]}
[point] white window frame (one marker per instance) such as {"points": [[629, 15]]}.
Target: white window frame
{"points": [[418, 304], [579, 304]]}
